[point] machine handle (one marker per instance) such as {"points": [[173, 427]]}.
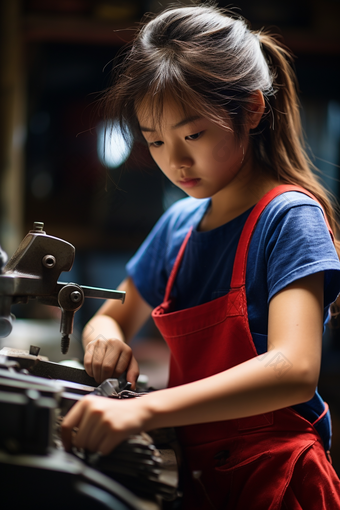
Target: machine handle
{"points": [[95, 292]]}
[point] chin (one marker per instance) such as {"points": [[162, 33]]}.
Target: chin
{"points": [[199, 195]]}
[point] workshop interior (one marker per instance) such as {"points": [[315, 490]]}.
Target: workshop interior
{"points": [[75, 204]]}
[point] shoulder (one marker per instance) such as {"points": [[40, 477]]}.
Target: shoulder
{"points": [[293, 241], [291, 203], [289, 217]]}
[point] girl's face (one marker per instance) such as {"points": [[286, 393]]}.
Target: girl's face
{"points": [[196, 154]]}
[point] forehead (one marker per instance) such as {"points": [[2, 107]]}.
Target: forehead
{"points": [[159, 113]]}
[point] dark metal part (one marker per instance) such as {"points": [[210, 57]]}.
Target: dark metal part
{"points": [[81, 389], [55, 371], [98, 293], [32, 410], [108, 388], [70, 299], [32, 273], [6, 318], [27, 408], [41, 367], [24, 381], [65, 344], [34, 350], [82, 486], [113, 387], [138, 461]]}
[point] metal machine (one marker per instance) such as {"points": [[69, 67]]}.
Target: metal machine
{"points": [[35, 394], [33, 272]]}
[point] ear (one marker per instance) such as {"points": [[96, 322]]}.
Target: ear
{"points": [[255, 109]]}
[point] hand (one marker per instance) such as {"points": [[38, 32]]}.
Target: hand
{"points": [[102, 423], [110, 358]]}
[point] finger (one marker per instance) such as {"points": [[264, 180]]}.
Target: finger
{"points": [[97, 359], [95, 435], [104, 360], [91, 429], [123, 361], [111, 360], [132, 372], [109, 443], [94, 355], [71, 420], [88, 359]]}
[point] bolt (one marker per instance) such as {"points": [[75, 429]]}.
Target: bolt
{"points": [[75, 296], [49, 261], [38, 225], [38, 228], [65, 343]]}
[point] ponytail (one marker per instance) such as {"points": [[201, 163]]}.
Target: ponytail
{"points": [[280, 144]]}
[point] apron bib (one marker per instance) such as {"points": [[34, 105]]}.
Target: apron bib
{"points": [[255, 463]]}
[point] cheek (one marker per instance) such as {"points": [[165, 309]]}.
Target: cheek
{"points": [[156, 158], [159, 159], [225, 150]]}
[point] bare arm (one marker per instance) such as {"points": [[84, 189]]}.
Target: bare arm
{"points": [[106, 335], [253, 387]]}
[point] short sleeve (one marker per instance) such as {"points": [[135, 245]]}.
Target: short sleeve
{"points": [[290, 242], [302, 246]]}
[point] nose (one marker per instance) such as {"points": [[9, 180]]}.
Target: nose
{"points": [[179, 158]]}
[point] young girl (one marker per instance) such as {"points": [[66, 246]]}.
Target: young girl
{"points": [[238, 277]]}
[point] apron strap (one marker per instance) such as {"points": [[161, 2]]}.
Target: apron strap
{"points": [[239, 270], [175, 267]]}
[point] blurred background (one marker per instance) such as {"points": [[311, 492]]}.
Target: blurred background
{"points": [[56, 59]]}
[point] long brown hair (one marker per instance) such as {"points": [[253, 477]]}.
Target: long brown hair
{"points": [[210, 61]]}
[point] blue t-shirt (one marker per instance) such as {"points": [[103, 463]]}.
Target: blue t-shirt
{"points": [[290, 241]]}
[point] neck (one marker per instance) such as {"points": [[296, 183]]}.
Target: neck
{"points": [[243, 192]]}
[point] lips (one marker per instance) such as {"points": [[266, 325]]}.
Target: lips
{"points": [[189, 183]]}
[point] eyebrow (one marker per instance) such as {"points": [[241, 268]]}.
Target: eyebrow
{"points": [[179, 124]]}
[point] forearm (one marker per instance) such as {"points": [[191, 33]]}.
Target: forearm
{"points": [[248, 389], [251, 388], [101, 326]]}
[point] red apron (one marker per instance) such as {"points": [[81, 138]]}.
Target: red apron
{"points": [[270, 461]]}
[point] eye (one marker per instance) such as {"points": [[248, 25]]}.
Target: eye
{"points": [[195, 136], [158, 143]]}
